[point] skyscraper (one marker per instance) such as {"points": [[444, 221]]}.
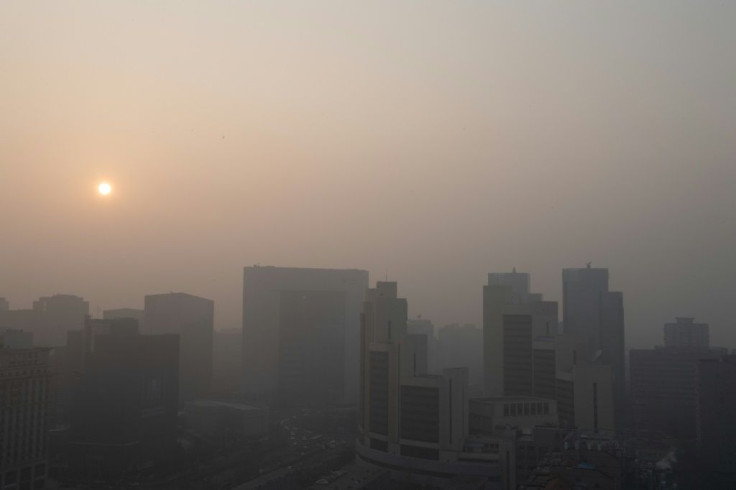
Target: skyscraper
{"points": [[192, 318], [665, 381], [291, 317], [595, 316], [513, 320], [409, 420]]}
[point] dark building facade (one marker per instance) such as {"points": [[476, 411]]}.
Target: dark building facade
{"points": [[595, 315], [125, 399], [686, 334], [311, 348], [664, 389], [24, 404], [192, 319], [716, 423], [289, 316]]}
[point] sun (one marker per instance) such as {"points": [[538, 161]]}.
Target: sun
{"points": [[104, 188]]}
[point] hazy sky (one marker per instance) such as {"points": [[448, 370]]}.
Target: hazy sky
{"points": [[433, 140]]}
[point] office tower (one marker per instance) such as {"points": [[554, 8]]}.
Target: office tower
{"points": [[433, 414], [406, 411], [686, 334], [125, 398], [595, 315], [190, 317], [125, 313], [665, 380], [50, 318], [411, 422], [585, 395], [293, 317], [24, 405], [462, 346], [593, 397], [544, 360], [518, 355], [383, 326], [507, 297], [716, 424]]}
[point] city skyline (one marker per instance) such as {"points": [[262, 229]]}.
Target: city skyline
{"points": [[485, 136], [379, 245], [634, 337]]}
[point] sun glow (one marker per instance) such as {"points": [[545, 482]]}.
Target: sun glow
{"points": [[104, 188]]}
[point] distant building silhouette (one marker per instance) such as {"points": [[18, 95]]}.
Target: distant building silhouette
{"points": [[423, 326], [227, 367], [50, 318], [125, 313], [24, 404], [125, 398], [192, 318], [300, 333], [595, 316], [462, 346], [686, 334]]}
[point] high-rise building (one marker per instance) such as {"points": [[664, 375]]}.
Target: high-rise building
{"points": [[513, 321], [665, 380], [125, 398], [24, 406], [686, 334], [192, 318], [291, 318], [716, 424], [412, 422], [4, 305], [595, 316]]}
